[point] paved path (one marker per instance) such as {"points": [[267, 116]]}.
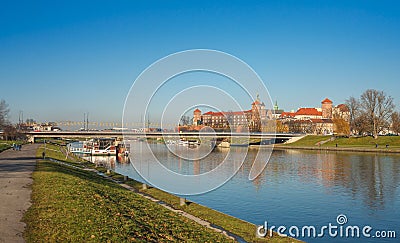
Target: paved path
{"points": [[16, 169]]}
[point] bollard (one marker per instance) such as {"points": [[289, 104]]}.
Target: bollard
{"points": [[125, 178], [144, 186], [182, 201]]}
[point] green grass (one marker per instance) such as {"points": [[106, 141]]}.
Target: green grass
{"points": [[4, 145], [351, 143], [239, 227], [392, 141], [78, 206], [234, 225], [309, 140]]}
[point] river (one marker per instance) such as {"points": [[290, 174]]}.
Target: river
{"points": [[298, 188]]}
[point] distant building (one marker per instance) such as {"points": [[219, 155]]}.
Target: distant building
{"points": [[275, 114], [315, 120], [249, 120], [45, 127], [319, 120]]}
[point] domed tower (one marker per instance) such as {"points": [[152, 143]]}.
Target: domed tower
{"points": [[197, 117], [326, 108]]}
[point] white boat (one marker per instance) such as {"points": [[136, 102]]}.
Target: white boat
{"points": [[184, 143], [110, 150], [99, 146]]}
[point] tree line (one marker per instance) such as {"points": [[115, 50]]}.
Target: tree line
{"points": [[9, 131], [373, 112]]}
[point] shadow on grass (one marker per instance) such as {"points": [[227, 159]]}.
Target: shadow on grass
{"points": [[53, 167]]}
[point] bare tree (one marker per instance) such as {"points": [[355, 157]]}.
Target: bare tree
{"points": [[378, 108], [229, 119], [396, 122], [185, 120], [362, 123], [340, 126], [354, 108], [10, 132], [3, 113]]}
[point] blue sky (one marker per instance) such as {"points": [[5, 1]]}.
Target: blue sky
{"points": [[59, 59]]}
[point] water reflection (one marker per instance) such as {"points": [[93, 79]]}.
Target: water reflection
{"points": [[374, 177], [297, 187]]}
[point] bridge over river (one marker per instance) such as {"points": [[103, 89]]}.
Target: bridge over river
{"points": [[277, 137]]}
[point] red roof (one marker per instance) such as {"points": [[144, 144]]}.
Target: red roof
{"points": [[314, 121], [308, 111], [256, 102], [226, 113], [287, 114], [209, 113], [326, 100], [197, 111]]}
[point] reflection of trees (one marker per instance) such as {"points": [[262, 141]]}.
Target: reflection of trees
{"points": [[375, 177], [368, 178]]}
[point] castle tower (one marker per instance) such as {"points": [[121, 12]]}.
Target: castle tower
{"points": [[276, 107], [326, 108], [197, 117]]}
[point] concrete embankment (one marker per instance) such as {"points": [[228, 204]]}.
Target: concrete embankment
{"points": [[349, 149]]}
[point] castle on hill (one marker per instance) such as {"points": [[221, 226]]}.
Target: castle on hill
{"points": [[327, 119]]}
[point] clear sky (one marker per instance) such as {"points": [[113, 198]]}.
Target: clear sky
{"points": [[59, 59]]}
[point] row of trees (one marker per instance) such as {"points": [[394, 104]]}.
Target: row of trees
{"points": [[373, 113], [9, 131], [4, 110]]}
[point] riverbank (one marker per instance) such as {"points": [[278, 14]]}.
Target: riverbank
{"points": [[384, 144], [98, 199]]}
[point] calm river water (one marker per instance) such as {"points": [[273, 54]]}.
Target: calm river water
{"points": [[298, 188]]}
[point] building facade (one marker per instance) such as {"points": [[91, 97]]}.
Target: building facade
{"points": [[316, 120], [252, 120]]}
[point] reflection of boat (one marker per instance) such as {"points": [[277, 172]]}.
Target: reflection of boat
{"points": [[187, 143], [106, 161]]}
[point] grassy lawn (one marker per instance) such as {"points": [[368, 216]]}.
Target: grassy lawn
{"points": [[392, 141], [309, 140], [78, 206], [239, 227], [119, 216], [352, 142], [4, 145]]}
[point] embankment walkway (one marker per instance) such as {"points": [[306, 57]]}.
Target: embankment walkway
{"points": [[16, 169]]}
